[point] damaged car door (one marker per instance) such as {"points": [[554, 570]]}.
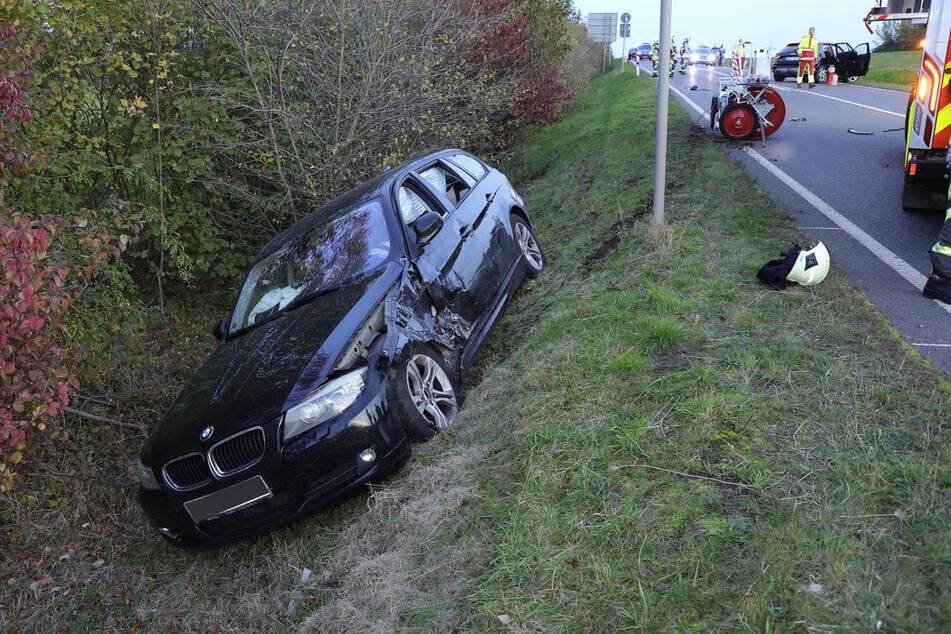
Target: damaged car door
{"points": [[460, 253]]}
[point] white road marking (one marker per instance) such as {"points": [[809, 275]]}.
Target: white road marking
{"points": [[846, 101]]}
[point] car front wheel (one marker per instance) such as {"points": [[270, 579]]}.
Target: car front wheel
{"points": [[424, 396], [528, 244], [822, 74]]}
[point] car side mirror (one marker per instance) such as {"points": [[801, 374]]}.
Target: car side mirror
{"points": [[220, 330], [426, 226]]}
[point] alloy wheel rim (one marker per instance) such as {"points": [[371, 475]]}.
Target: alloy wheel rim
{"points": [[528, 245], [431, 391]]}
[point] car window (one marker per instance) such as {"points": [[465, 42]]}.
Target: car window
{"points": [[411, 204], [446, 182], [336, 252], [469, 164]]}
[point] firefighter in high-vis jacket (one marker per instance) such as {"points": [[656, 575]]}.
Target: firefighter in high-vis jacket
{"points": [[673, 57], [655, 58], [808, 51], [684, 55]]}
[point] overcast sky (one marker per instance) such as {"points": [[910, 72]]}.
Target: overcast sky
{"points": [[765, 23]]}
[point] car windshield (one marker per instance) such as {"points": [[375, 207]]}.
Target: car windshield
{"points": [[342, 250]]}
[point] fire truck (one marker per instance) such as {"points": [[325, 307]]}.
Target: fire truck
{"points": [[928, 116]]}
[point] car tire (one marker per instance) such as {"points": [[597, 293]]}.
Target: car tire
{"points": [[424, 394], [778, 76], [528, 245], [822, 73], [851, 79]]}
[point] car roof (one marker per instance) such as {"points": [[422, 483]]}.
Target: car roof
{"points": [[370, 189]]}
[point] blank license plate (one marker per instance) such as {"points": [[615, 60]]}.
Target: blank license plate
{"points": [[234, 498]]}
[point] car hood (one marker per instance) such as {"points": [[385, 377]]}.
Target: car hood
{"points": [[251, 379]]}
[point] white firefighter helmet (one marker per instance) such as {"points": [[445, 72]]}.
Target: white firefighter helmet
{"points": [[812, 265]]}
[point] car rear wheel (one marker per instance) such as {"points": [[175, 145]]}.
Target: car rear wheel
{"points": [[528, 244], [424, 396]]}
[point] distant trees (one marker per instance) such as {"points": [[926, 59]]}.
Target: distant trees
{"points": [[899, 35]]}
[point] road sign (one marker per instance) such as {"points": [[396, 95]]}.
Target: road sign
{"points": [[602, 27], [625, 18], [625, 30]]}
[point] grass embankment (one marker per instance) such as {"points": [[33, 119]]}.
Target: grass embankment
{"points": [[693, 450], [654, 441], [896, 70]]}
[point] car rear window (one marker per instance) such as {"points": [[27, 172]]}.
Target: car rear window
{"points": [[469, 164]]}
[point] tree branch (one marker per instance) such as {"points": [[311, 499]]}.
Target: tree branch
{"points": [[103, 419]]}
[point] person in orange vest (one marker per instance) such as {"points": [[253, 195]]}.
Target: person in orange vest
{"points": [[808, 51]]}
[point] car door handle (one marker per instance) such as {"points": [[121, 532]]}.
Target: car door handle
{"points": [[465, 230]]}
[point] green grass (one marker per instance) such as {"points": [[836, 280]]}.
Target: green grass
{"points": [[896, 70], [700, 452], [653, 441]]}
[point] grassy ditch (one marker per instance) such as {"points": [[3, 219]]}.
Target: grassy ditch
{"points": [[653, 441]]}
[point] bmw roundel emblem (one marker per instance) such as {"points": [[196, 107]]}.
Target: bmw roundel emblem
{"points": [[207, 432]]}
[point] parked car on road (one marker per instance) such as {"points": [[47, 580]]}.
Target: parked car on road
{"points": [[643, 51], [702, 55], [850, 63], [349, 337]]}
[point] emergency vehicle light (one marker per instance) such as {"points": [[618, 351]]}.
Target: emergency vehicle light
{"points": [[928, 84]]}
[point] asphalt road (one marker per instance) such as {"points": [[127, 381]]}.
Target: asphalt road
{"points": [[835, 164]]}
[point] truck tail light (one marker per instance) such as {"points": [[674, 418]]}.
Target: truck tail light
{"points": [[929, 81]]}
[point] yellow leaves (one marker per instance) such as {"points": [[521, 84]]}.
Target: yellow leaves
{"points": [[134, 108]]}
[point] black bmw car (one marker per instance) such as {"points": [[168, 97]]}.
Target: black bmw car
{"points": [[349, 337]]}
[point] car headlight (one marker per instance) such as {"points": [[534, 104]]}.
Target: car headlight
{"points": [[325, 403], [145, 475]]}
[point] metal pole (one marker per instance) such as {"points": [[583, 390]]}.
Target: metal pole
{"points": [[663, 98]]}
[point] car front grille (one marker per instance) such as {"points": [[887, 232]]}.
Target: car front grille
{"points": [[223, 459], [237, 453], [187, 472]]}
